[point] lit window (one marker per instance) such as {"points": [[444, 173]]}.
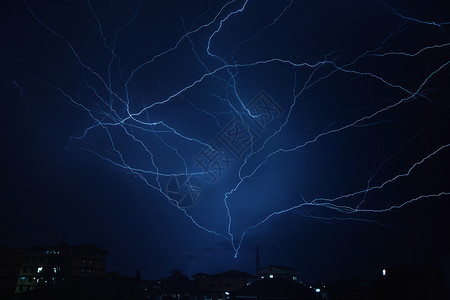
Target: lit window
{"points": [[270, 276], [54, 270], [39, 270], [23, 279], [317, 290], [384, 272], [294, 278]]}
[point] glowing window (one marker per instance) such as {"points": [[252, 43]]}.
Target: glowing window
{"points": [[294, 278], [39, 270], [270, 276]]}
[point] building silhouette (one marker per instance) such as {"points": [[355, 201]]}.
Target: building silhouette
{"points": [[273, 271], [43, 266], [10, 263]]}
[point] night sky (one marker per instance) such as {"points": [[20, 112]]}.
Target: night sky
{"points": [[183, 134]]}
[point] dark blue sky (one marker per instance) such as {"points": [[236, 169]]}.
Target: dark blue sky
{"points": [[180, 134]]}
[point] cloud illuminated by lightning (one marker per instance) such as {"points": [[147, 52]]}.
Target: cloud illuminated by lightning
{"points": [[132, 125]]}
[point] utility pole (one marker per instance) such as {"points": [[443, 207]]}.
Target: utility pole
{"points": [[257, 260]]}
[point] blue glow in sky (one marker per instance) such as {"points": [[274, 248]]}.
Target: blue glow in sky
{"points": [[182, 134]]}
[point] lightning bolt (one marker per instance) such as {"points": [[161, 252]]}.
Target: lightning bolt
{"points": [[131, 127]]}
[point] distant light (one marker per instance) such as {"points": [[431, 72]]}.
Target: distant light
{"points": [[384, 272], [262, 277], [270, 276], [54, 270], [317, 290], [39, 270], [294, 278], [227, 293]]}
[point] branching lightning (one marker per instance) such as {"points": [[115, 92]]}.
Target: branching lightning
{"points": [[138, 130]]}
